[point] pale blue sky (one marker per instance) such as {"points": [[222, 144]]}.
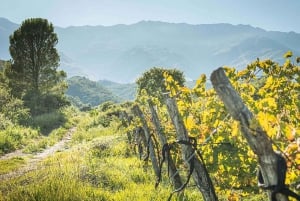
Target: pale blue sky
{"points": [[278, 15]]}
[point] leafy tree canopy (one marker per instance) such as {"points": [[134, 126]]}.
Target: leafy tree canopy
{"points": [[33, 74], [153, 81]]}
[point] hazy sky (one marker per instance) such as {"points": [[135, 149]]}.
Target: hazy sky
{"points": [[278, 15]]}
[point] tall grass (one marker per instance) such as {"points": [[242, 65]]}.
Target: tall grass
{"points": [[42, 131], [80, 175], [15, 137], [99, 166]]}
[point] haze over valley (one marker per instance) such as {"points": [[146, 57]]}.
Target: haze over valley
{"points": [[121, 53]]}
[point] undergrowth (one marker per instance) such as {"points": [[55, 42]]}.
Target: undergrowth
{"points": [[43, 131]]}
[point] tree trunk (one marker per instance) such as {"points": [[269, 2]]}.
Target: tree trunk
{"points": [[137, 111], [255, 135], [173, 173], [200, 174]]}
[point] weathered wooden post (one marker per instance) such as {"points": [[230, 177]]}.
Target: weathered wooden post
{"points": [[126, 121], [138, 112], [200, 174], [140, 140], [255, 135], [173, 173]]}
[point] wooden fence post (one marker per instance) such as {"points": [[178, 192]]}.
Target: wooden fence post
{"points": [[126, 121], [254, 134], [138, 112], [173, 173], [200, 174]]}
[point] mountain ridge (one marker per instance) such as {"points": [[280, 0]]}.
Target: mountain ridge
{"points": [[121, 53]]}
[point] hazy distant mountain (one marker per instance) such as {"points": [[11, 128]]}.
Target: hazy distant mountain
{"points": [[6, 29], [121, 53]]}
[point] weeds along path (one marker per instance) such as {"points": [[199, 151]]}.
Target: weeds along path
{"points": [[36, 158]]}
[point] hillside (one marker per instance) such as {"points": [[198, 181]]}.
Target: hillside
{"points": [[121, 53], [89, 92], [125, 91], [83, 91]]}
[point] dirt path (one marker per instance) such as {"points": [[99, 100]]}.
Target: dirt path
{"points": [[35, 159]]}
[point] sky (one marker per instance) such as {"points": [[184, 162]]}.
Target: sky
{"points": [[275, 15]]}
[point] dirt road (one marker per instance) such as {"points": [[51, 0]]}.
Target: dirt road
{"points": [[35, 159]]}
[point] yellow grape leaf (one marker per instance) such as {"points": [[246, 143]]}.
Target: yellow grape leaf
{"points": [[289, 131], [233, 197], [219, 139], [185, 89], [268, 103], [288, 54], [297, 158], [242, 73], [269, 83], [291, 176], [244, 194], [221, 167], [266, 121], [201, 80], [189, 123], [235, 128]]}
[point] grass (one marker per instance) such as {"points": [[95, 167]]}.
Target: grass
{"points": [[82, 175], [12, 164], [44, 130], [38, 145], [99, 166], [15, 137]]}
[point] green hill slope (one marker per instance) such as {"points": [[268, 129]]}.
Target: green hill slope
{"points": [[125, 91], [89, 92]]}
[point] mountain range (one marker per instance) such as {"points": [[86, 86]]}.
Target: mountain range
{"points": [[121, 53]]}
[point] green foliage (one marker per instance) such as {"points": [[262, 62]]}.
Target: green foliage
{"points": [[106, 106], [98, 169], [153, 81], [11, 107], [126, 92], [33, 74], [8, 165], [86, 92], [54, 125], [48, 121], [4, 122], [35, 58], [15, 137]]}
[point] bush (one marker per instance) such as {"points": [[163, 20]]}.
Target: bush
{"points": [[48, 122], [15, 137], [4, 122], [10, 140]]}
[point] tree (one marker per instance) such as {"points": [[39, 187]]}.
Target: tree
{"points": [[33, 73], [11, 108], [153, 81]]}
